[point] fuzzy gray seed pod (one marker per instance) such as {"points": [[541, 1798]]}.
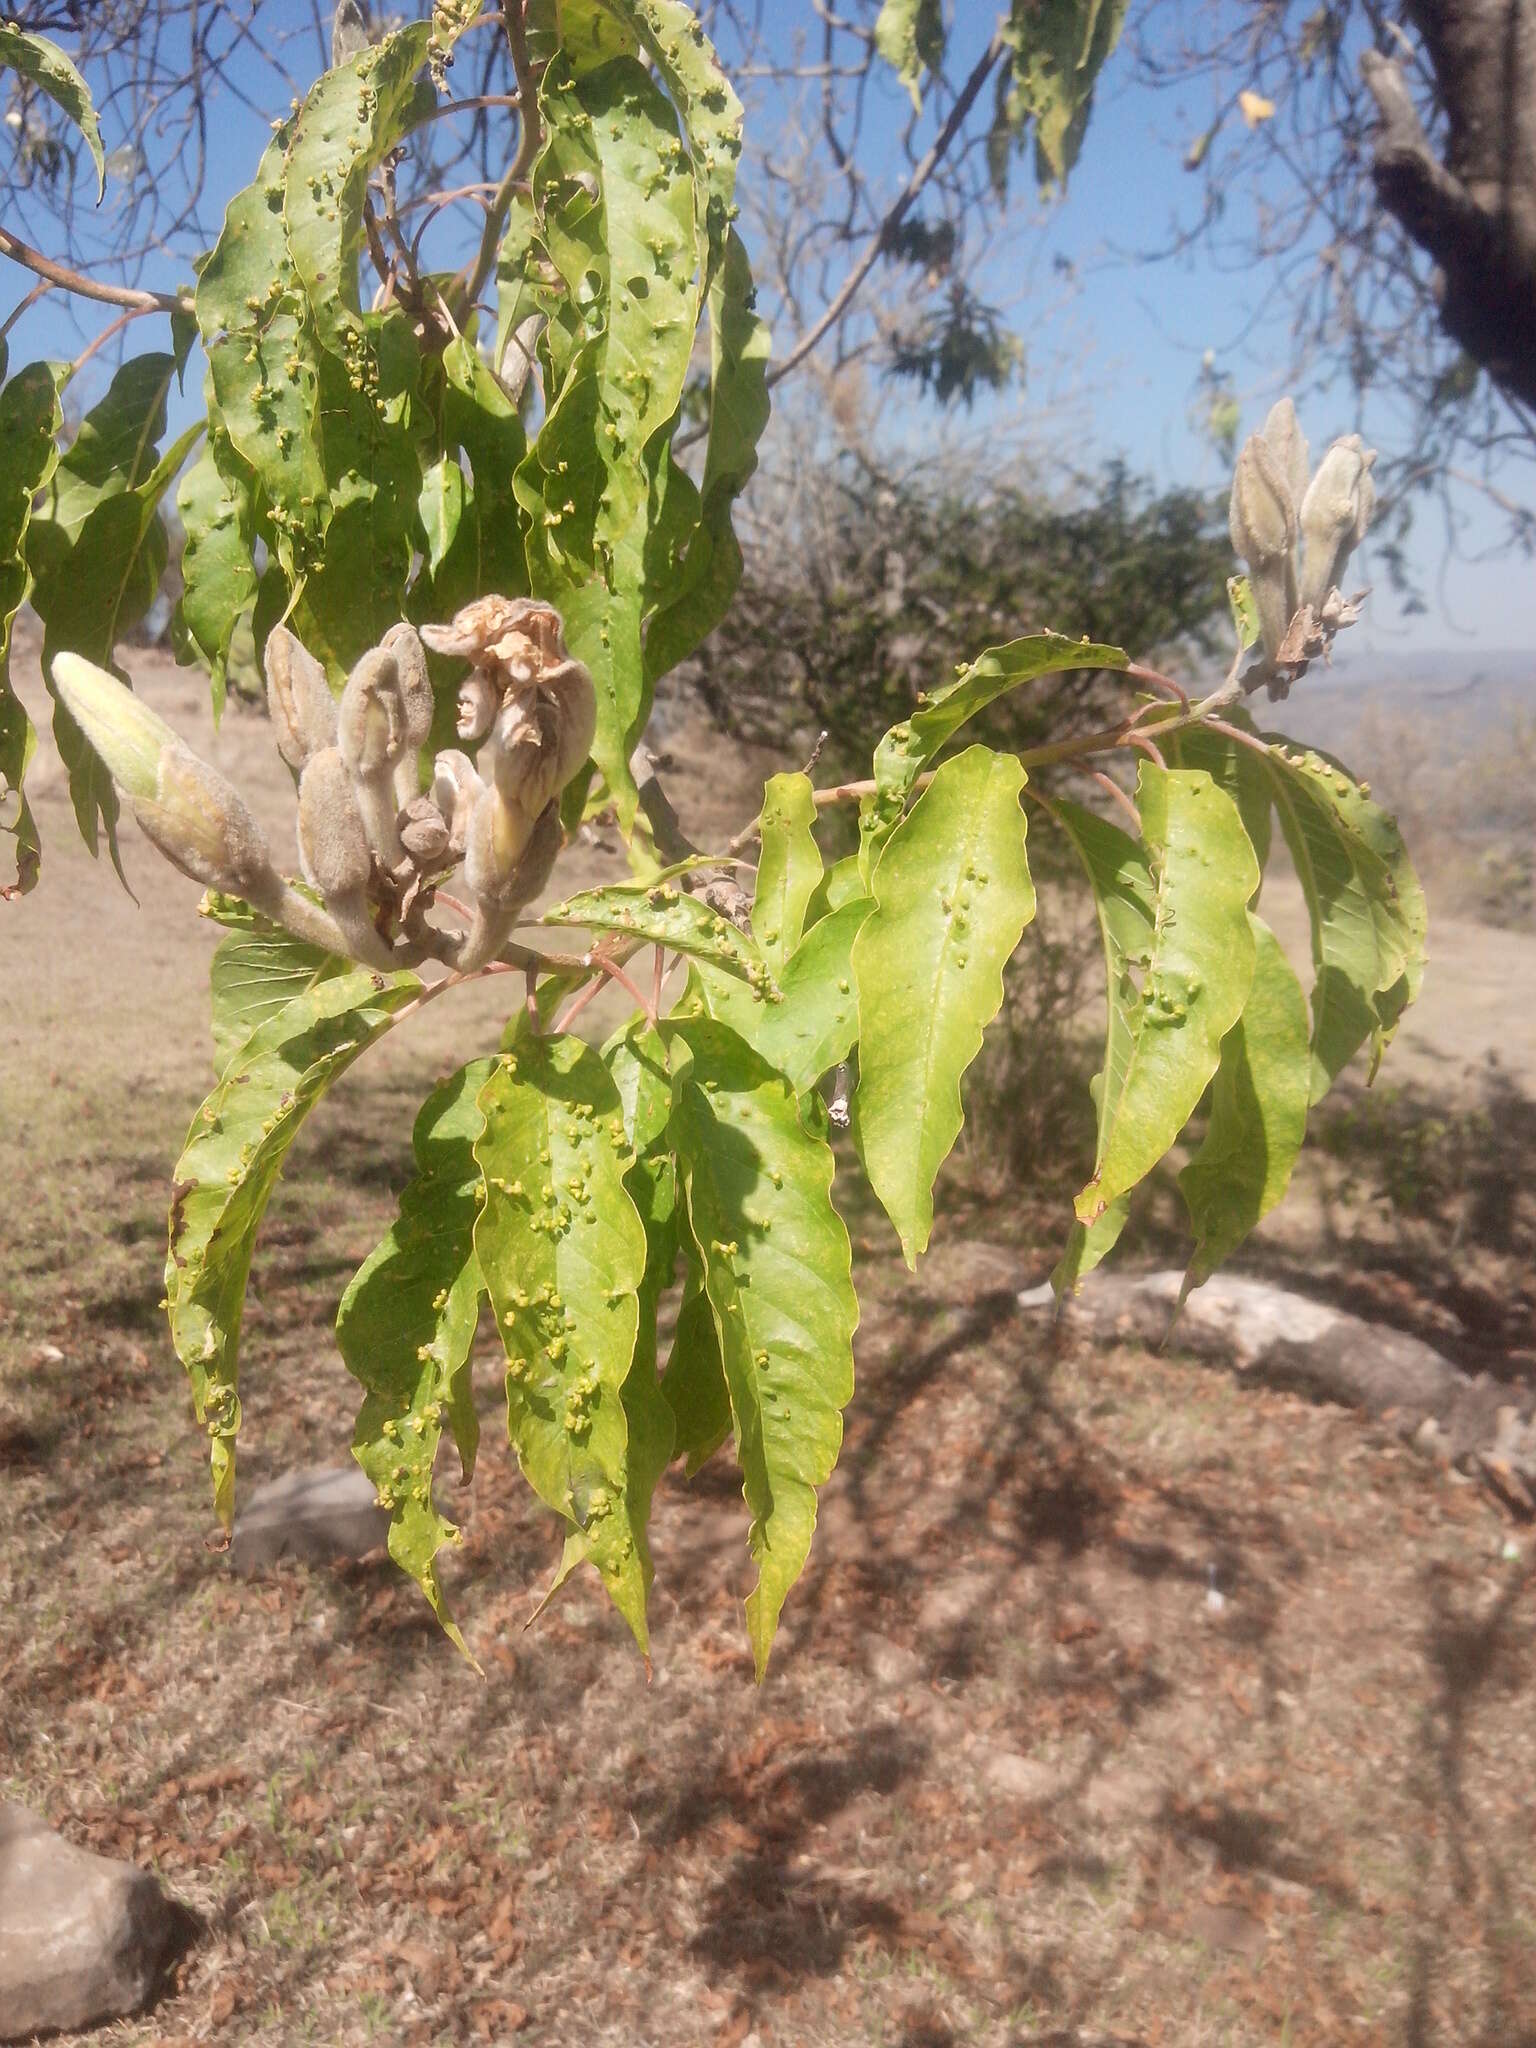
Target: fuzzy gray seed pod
{"points": [[496, 915], [456, 788], [1262, 515], [299, 699], [524, 753]]}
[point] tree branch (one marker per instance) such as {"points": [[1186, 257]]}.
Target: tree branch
{"points": [[88, 287]]}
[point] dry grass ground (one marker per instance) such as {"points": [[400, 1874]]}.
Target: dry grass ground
{"points": [[1016, 1775]]}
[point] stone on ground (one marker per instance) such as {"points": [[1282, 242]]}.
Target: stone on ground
{"points": [[82, 1939], [318, 1514]]}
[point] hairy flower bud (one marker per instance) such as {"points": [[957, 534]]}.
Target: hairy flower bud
{"points": [[1288, 444], [188, 810], [385, 716], [1334, 516], [122, 729], [524, 753], [496, 840], [456, 788], [333, 845], [1263, 512], [496, 913], [425, 834], [578, 706], [299, 699]]}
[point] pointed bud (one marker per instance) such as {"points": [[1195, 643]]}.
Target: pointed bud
{"points": [[1263, 513], [578, 705], [188, 810], [404, 647], [333, 846], [128, 736], [1334, 515], [1288, 444], [299, 698], [201, 824]]}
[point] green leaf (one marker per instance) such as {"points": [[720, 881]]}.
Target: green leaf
{"points": [[816, 1024], [909, 34], [1180, 956], [406, 1326], [661, 914], [1363, 899], [46, 65], [788, 868], [218, 567], [1245, 613], [228, 1168], [487, 550], [29, 424], [693, 1385], [1059, 47], [1235, 767], [908, 748], [115, 449], [1259, 1104], [631, 259], [952, 897], [563, 1252], [263, 364], [440, 509], [842, 883], [353, 116], [706, 581], [256, 972], [778, 1278], [98, 564]]}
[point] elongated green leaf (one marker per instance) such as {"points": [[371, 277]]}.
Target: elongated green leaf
{"points": [[664, 915], [1259, 1106], [788, 868], [909, 34], [952, 897], [487, 551], [218, 566], [440, 509], [227, 1170], [637, 1060], [256, 972], [693, 1385], [842, 883], [778, 1277], [908, 748], [740, 344], [29, 425], [406, 1326], [354, 115], [670, 33], [631, 259], [563, 1252], [1180, 951], [815, 1026], [1364, 902], [42, 61], [1237, 768]]}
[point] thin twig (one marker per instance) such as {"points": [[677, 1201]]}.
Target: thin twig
{"points": [[922, 171], [89, 287]]}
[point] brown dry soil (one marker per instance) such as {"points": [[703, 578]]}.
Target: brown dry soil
{"points": [[1120, 1703]]}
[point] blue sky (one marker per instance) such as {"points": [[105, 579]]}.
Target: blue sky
{"points": [[1113, 350]]}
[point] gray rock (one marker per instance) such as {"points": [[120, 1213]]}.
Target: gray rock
{"points": [[82, 1939], [318, 1514]]}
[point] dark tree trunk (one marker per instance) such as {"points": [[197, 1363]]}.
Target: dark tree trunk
{"points": [[1474, 212]]}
